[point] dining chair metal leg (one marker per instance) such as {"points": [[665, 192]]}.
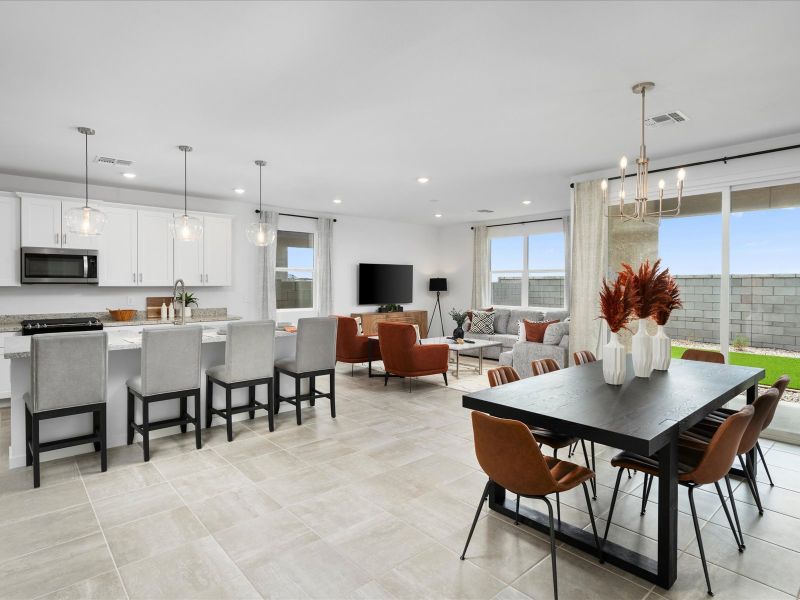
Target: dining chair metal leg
{"points": [[752, 485], [613, 502], [591, 518], [699, 539], [764, 462], [592, 482], [484, 495], [572, 449], [648, 481], [735, 512], [728, 515], [552, 546], [516, 518], [558, 508]]}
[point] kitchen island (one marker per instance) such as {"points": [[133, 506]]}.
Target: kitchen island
{"points": [[124, 362]]}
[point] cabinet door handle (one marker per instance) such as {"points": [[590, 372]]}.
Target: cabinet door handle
{"points": [[134, 278], [140, 278], [56, 238], [64, 239], [206, 277]]}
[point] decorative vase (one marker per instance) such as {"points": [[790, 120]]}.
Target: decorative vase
{"points": [[614, 361], [458, 333], [662, 350], [188, 311], [642, 349]]}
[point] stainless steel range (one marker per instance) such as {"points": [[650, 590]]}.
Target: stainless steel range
{"points": [[34, 326]]}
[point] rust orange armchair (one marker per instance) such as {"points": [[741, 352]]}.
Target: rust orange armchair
{"points": [[354, 348], [404, 357]]}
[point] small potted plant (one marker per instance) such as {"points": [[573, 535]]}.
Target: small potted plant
{"points": [[186, 300], [459, 317], [617, 301], [662, 344]]}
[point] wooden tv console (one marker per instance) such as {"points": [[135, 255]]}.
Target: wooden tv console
{"points": [[370, 320]]}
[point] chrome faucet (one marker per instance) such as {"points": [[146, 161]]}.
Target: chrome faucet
{"points": [[179, 299]]}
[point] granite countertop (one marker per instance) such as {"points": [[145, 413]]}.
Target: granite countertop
{"points": [[20, 346], [11, 323]]}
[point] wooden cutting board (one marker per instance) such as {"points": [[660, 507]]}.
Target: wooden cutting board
{"points": [[153, 304]]}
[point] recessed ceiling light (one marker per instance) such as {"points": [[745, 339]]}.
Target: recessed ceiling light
{"points": [[337, 200], [423, 179], [438, 215], [239, 190], [526, 202], [129, 175]]}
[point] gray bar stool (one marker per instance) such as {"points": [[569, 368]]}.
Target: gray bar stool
{"points": [[170, 370], [68, 377], [249, 361], [315, 355]]}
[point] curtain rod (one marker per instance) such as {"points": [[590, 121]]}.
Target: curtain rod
{"points": [[525, 222], [723, 159], [258, 212]]}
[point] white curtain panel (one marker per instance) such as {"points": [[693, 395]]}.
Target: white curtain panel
{"points": [[566, 222], [323, 281], [589, 238], [265, 285], [480, 267]]}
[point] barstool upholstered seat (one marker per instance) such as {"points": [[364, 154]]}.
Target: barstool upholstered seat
{"points": [[56, 390], [170, 371], [249, 361], [315, 356]]}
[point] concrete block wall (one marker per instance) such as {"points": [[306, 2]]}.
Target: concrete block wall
{"points": [[545, 291]]}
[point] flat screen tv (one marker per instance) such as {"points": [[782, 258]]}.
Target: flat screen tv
{"points": [[385, 284]]}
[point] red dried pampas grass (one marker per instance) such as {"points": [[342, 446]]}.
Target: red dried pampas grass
{"points": [[671, 300], [617, 302], [650, 287]]}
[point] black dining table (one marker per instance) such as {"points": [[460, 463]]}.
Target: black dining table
{"points": [[643, 415]]}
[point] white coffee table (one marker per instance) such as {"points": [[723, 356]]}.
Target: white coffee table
{"points": [[457, 349]]}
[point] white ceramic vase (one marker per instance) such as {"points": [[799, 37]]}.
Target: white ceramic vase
{"points": [[614, 361], [642, 349], [662, 350]]}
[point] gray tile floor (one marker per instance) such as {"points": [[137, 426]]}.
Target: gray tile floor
{"points": [[373, 504]]}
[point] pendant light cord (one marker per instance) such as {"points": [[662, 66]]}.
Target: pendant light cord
{"points": [[86, 165], [260, 212], [185, 213]]}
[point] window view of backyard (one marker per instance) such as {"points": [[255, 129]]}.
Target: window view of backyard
{"points": [[294, 272]]}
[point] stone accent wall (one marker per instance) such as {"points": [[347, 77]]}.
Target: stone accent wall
{"points": [[544, 291], [765, 309]]}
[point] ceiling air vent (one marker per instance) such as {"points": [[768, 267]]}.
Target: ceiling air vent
{"points": [[485, 210], [113, 162], [669, 118]]}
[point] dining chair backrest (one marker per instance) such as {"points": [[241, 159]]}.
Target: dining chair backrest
{"points": [[780, 385], [762, 407], [250, 350], [583, 357], [544, 366], [68, 369], [502, 375], [509, 455], [722, 449], [316, 344], [710, 356], [171, 358]]}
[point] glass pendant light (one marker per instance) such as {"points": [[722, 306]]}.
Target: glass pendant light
{"points": [[85, 220], [260, 233], [185, 228]]}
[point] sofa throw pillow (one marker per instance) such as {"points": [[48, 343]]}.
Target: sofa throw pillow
{"points": [[534, 330], [482, 322], [470, 316], [555, 332]]}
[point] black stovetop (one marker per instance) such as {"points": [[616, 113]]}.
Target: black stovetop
{"points": [[34, 326]]}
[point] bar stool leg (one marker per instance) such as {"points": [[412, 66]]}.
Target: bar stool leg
{"points": [[333, 394], [297, 400], [130, 417], [209, 401], [146, 430], [35, 449], [103, 440], [271, 404], [184, 413], [228, 415], [198, 439], [28, 426], [252, 401], [312, 385]]}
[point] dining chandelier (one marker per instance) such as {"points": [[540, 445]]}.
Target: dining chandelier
{"points": [[640, 211]]}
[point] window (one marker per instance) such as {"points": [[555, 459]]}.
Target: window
{"points": [[533, 263], [294, 270]]}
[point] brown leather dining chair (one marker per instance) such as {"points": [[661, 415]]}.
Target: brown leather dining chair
{"points": [[711, 356], [695, 468], [509, 455], [551, 439], [583, 357]]}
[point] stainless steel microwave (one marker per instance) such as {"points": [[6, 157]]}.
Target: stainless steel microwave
{"points": [[58, 265]]}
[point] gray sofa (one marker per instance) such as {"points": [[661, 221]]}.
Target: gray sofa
{"points": [[506, 327]]}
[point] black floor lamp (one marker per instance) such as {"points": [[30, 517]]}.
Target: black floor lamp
{"points": [[438, 285]]}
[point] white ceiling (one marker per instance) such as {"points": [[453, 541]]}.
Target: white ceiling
{"points": [[495, 102]]}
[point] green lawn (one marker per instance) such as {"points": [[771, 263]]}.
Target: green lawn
{"points": [[774, 366]]}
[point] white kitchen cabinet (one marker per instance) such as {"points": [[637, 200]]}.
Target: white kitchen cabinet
{"points": [[189, 259], [9, 240], [217, 250], [41, 222], [154, 249], [118, 258]]}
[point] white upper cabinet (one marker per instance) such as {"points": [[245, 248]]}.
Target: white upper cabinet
{"points": [[9, 240], [118, 257], [189, 259], [41, 222], [154, 249], [217, 250]]}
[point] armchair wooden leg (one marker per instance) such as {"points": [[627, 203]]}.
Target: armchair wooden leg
{"points": [[445, 377], [333, 394]]}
